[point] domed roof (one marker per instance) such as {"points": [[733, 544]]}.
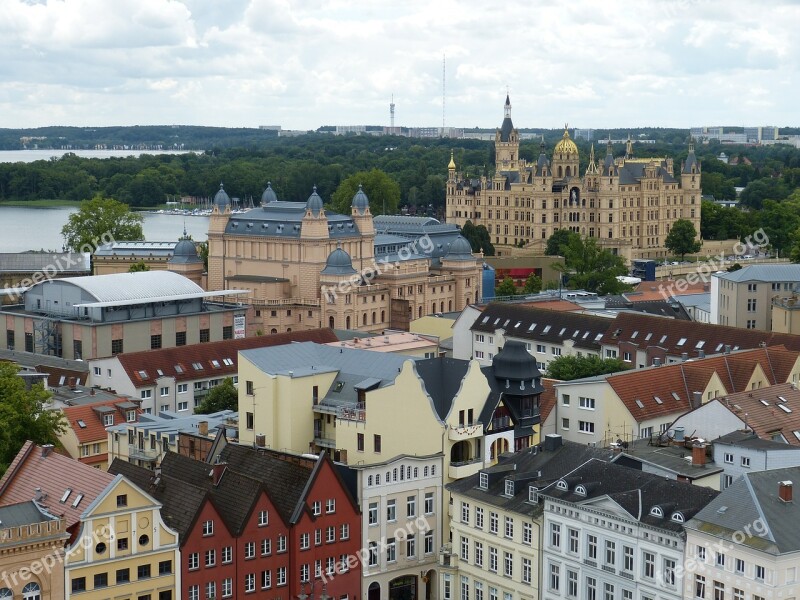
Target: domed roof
{"points": [[338, 263], [566, 145], [221, 199], [185, 251], [269, 194], [460, 249], [452, 164], [360, 201], [314, 203], [515, 363]]}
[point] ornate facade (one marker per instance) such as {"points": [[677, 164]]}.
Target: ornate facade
{"points": [[627, 203], [305, 267]]}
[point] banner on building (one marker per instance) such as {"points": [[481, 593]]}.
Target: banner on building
{"points": [[238, 327]]}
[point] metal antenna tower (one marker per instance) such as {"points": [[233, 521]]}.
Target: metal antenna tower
{"points": [[391, 111]]}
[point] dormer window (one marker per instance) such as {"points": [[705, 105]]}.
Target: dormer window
{"points": [[509, 491], [108, 420], [677, 517], [562, 485], [657, 512], [580, 490], [533, 494], [483, 481]]}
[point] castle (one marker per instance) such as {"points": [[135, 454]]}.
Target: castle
{"points": [[627, 203]]}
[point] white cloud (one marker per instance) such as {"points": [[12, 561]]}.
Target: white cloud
{"points": [[304, 63]]}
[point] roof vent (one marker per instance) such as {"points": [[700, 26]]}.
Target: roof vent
{"points": [[47, 449]]}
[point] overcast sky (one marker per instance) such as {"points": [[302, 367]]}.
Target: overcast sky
{"points": [[305, 63]]}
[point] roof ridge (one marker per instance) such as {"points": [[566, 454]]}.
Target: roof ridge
{"points": [[757, 505]]}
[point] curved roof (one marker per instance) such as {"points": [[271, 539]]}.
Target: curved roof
{"points": [[505, 129], [221, 198], [314, 203], [460, 249], [269, 194], [514, 363], [338, 263], [360, 201], [566, 145], [131, 286], [185, 252]]}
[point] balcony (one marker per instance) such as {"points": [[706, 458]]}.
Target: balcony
{"points": [[324, 442], [141, 453], [352, 412], [457, 433], [458, 470]]}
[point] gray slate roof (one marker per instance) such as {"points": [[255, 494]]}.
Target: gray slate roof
{"points": [[132, 286], [754, 498], [31, 262], [766, 273], [21, 514], [748, 439], [284, 219]]}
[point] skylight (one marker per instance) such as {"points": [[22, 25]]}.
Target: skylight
{"points": [[485, 319], [197, 366], [518, 324], [585, 335], [634, 334], [576, 333], [77, 500], [215, 363], [507, 322], [563, 329], [639, 403], [67, 492], [532, 327], [797, 435], [785, 408], [765, 403], [700, 344], [178, 369], [781, 398], [142, 374], [227, 362], [546, 329], [658, 400], [681, 342], [647, 337], [81, 424], [675, 395], [497, 320], [160, 372], [597, 337], [663, 339], [719, 347]]}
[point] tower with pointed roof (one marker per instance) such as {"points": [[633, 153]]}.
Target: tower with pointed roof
{"points": [[220, 215], [566, 157], [506, 142]]}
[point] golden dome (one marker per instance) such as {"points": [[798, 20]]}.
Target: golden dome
{"points": [[452, 164], [566, 145]]}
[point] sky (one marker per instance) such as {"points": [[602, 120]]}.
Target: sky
{"points": [[301, 64]]}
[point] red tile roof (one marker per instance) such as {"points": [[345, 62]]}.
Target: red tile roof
{"points": [[656, 391], [714, 338], [664, 288], [57, 377], [53, 474], [218, 359], [93, 429], [559, 305], [768, 419], [547, 400]]}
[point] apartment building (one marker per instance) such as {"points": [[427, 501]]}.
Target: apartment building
{"points": [[614, 532], [85, 436], [744, 298], [744, 543], [741, 452]]}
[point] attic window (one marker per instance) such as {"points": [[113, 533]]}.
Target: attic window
{"points": [[658, 400], [576, 333], [228, 362], [681, 342], [142, 374], [634, 334], [699, 345], [77, 500], [736, 347], [585, 335], [518, 324], [797, 435], [663, 339], [647, 337], [677, 517], [675, 395], [178, 369], [597, 337], [656, 512], [546, 329], [532, 327], [562, 485], [338, 386], [719, 347], [497, 320], [197, 366], [639, 403], [563, 329], [533, 494], [160, 372], [509, 491], [81, 424], [485, 319], [67, 492], [785, 408], [764, 402], [215, 363], [781, 398], [580, 490], [507, 322], [483, 481]]}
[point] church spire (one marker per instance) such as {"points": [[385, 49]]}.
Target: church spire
{"points": [[629, 148], [592, 168], [507, 107]]}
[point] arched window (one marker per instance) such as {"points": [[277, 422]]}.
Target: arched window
{"points": [[394, 474], [416, 472], [450, 305], [374, 317], [419, 312], [288, 330], [273, 330], [369, 480], [364, 319], [31, 591], [425, 472], [383, 316], [6, 593], [331, 322], [378, 479], [347, 323], [433, 470], [441, 306]]}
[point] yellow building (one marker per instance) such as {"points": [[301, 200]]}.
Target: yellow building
{"points": [[306, 267], [31, 552], [85, 437], [627, 203], [119, 546]]}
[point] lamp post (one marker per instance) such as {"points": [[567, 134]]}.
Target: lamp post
{"points": [[310, 596]]}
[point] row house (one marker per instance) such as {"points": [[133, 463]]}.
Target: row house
{"points": [[643, 403], [547, 334], [258, 521], [176, 379], [614, 532], [85, 436], [119, 545]]}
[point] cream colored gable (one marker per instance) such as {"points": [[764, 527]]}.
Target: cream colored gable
{"points": [[714, 388], [609, 506], [472, 394], [107, 502], [758, 379]]}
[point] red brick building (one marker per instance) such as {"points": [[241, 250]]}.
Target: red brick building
{"points": [[258, 521]]}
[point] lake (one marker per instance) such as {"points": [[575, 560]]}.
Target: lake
{"points": [[24, 229], [10, 156]]}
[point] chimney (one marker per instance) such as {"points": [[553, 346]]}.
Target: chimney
{"points": [[727, 349], [698, 455], [218, 470], [684, 356], [656, 362], [261, 440], [697, 399], [701, 353], [785, 491], [47, 450], [552, 441], [202, 428]]}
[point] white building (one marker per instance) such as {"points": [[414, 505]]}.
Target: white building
{"points": [[742, 452], [614, 532]]}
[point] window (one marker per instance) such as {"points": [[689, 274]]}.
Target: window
{"points": [[345, 532], [281, 543], [508, 564], [720, 560], [493, 522], [101, 579], [611, 553], [266, 580], [263, 518], [411, 506], [155, 341], [79, 584], [465, 512], [204, 335], [465, 549], [478, 553], [194, 561], [373, 554], [585, 426], [123, 576], [699, 586], [573, 534], [330, 534], [208, 528], [648, 565], [227, 332], [527, 534], [266, 547], [377, 442], [526, 570], [281, 576], [429, 503], [227, 586], [760, 573], [330, 506], [116, 347], [669, 571], [122, 500], [591, 588], [316, 507], [464, 588], [305, 541], [122, 542], [555, 577], [146, 394], [493, 559], [728, 458], [509, 527], [627, 559], [746, 461], [586, 403], [509, 487], [164, 391], [180, 338], [719, 590], [304, 573], [211, 589], [411, 546], [740, 566], [564, 423], [591, 547], [555, 535], [572, 584], [183, 405], [360, 442], [211, 557], [428, 542], [227, 554], [391, 511]]}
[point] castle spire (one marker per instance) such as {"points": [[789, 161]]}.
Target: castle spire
{"points": [[507, 107], [592, 168], [629, 147]]}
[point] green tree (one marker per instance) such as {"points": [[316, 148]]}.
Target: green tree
{"points": [[557, 243], [734, 267], [506, 288], [202, 252], [224, 396], [533, 284], [138, 267], [794, 251], [592, 268], [23, 415], [566, 367], [780, 220], [383, 192], [101, 220], [478, 238], [682, 238]]}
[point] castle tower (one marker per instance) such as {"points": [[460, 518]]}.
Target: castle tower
{"points": [[506, 142], [565, 158], [185, 260], [463, 266], [220, 215], [451, 169], [315, 223]]}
